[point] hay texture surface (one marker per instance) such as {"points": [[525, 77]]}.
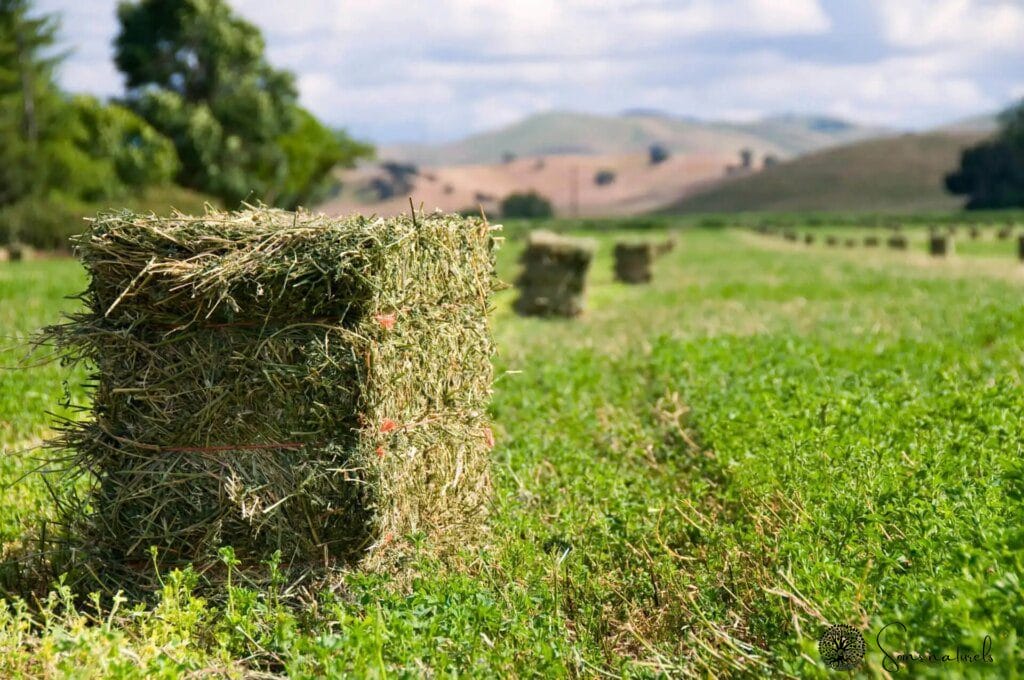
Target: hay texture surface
{"points": [[633, 262], [281, 381], [553, 281]]}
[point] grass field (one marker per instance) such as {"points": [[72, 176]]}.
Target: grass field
{"points": [[695, 479]]}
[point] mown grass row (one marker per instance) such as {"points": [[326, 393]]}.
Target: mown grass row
{"points": [[696, 477]]}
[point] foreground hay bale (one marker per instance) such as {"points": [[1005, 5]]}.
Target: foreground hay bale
{"points": [[633, 262], [940, 245], [280, 381], [897, 242], [554, 277]]}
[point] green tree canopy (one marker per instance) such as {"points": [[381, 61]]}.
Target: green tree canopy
{"points": [[991, 174], [198, 73], [29, 99]]}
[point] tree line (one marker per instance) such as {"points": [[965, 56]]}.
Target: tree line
{"points": [[202, 108]]}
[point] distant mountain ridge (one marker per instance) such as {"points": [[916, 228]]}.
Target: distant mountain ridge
{"points": [[564, 132], [899, 173]]}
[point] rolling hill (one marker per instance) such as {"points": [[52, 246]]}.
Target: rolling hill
{"points": [[562, 133], [901, 173]]}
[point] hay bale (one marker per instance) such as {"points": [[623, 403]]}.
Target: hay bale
{"points": [[809, 239], [790, 235], [831, 240], [274, 380], [897, 242], [554, 277], [851, 243], [1004, 233], [1020, 247], [871, 241], [974, 231], [665, 247], [940, 245], [633, 262], [18, 252]]}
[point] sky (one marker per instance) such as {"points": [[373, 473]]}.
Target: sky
{"points": [[428, 71]]}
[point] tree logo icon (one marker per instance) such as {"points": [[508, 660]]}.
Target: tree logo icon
{"points": [[842, 647]]}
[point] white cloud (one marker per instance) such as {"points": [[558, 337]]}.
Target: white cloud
{"points": [[981, 25], [433, 69]]}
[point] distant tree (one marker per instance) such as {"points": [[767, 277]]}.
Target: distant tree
{"points": [[657, 154], [746, 159], [197, 72], [29, 99], [991, 174], [604, 177], [529, 205]]}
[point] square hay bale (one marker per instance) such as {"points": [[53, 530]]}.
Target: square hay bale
{"points": [[554, 277], [790, 235], [665, 247], [850, 242], [280, 381], [974, 231], [870, 241], [831, 240], [1004, 233], [633, 262], [897, 242], [18, 252], [809, 239], [940, 245]]}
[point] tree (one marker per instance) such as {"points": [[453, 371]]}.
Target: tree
{"points": [[991, 174], [529, 205], [197, 72], [657, 154], [28, 94]]}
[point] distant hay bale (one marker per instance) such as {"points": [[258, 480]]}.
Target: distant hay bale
{"points": [[940, 245], [974, 231], [633, 262], [809, 239], [790, 235], [17, 252], [831, 240], [851, 243], [870, 241], [1005, 233], [665, 247], [280, 381], [554, 277], [897, 242]]}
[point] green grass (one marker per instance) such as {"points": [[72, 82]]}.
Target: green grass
{"points": [[693, 479]]}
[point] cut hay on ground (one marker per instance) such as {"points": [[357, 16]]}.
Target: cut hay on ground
{"points": [[554, 277], [280, 381], [633, 262]]}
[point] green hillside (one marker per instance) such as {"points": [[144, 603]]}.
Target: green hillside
{"points": [[890, 174], [566, 132]]}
